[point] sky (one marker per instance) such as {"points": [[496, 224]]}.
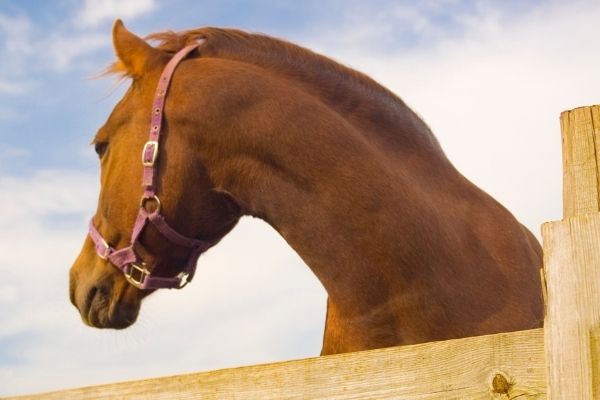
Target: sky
{"points": [[489, 77]]}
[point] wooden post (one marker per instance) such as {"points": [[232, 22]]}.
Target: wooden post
{"points": [[572, 264]]}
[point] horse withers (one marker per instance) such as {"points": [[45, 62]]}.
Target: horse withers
{"points": [[232, 124]]}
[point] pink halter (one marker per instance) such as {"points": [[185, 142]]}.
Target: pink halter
{"points": [[126, 259]]}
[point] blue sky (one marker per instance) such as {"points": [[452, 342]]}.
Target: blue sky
{"points": [[489, 77]]}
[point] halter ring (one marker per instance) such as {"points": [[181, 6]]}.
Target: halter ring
{"points": [[155, 198]]}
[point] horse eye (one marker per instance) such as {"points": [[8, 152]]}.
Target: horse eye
{"points": [[100, 148]]}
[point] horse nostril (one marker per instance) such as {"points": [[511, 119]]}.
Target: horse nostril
{"points": [[90, 298], [104, 291], [97, 294]]}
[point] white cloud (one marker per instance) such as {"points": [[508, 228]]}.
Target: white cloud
{"points": [[27, 47], [10, 154], [27, 50], [33, 224], [16, 47], [94, 12], [14, 87], [16, 31], [63, 51]]}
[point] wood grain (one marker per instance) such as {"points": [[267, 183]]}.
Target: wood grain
{"points": [[572, 264], [580, 129], [501, 366]]}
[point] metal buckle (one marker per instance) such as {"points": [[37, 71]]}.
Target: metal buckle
{"points": [[183, 279], [139, 270], [150, 163], [106, 252]]}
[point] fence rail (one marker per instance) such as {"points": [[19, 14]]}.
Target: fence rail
{"points": [[473, 368], [562, 361]]}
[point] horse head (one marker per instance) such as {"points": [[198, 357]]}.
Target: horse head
{"points": [[180, 214]]}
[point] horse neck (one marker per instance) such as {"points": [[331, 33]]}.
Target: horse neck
{"points": [[321, 183]]}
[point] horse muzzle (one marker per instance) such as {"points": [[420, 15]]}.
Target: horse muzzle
{"points": [[105, 304]]}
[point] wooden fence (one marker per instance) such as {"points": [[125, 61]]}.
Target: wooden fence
{"points": [[561, 361]]}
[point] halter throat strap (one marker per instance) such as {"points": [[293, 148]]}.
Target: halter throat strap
{"points": [[126, 259]]}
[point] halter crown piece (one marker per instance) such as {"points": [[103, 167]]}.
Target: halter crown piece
{"points": [[126, 260]]}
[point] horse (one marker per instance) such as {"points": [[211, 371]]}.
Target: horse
{"points": [[407, 248]]}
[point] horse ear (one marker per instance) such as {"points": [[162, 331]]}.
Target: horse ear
{"points": [[133, 52]]}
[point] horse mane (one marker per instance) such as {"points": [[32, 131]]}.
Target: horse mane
{"points": [[348, 91], [266, 51]]}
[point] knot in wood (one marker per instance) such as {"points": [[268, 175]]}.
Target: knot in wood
{"points": [[500, 384]]}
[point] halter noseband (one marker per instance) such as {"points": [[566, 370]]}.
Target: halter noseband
{"points": [[125, 259]]}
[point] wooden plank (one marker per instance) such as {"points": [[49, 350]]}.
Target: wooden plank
{"points": [[580, 130], [572, 266], [502, 366]]}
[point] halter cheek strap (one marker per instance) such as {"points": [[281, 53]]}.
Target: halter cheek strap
{"points": [[126, 259]]}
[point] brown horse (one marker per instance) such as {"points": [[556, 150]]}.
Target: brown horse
{"points": [[408, 249]]}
